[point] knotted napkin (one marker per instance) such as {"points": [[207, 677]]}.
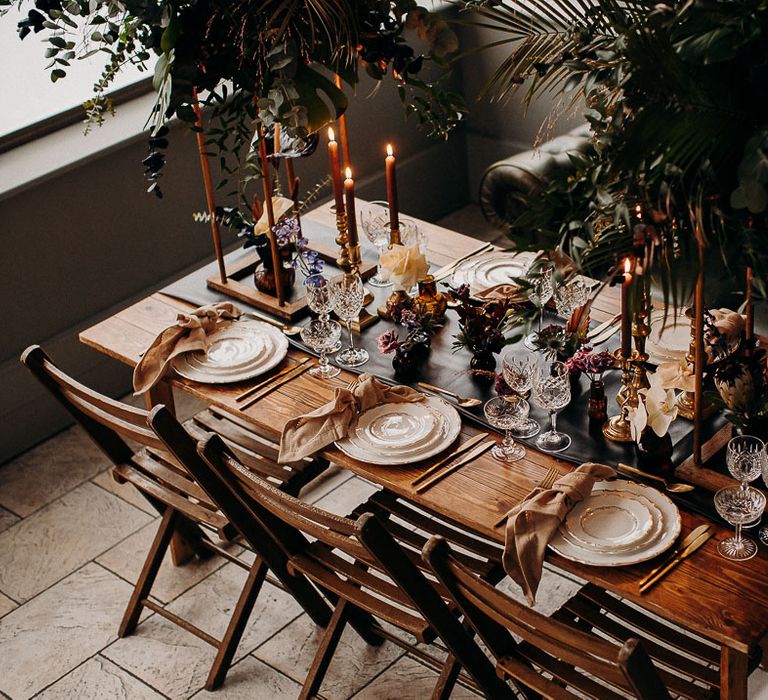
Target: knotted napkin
{"points": [[501, 292], [189, 333], [309, 433], [534, 522]]}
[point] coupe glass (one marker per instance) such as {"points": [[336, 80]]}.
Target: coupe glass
{"points": [[540, 293], [738, 506], [551, 390], [374, 220], [319, 301], [517, 367], [570, 296], [745, 457], [322, 336], [506, 413], [347, 294]]}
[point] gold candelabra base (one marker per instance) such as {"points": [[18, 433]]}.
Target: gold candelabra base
{"points": [[618, 428]]}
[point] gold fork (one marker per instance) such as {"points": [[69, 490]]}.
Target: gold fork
{"points": [[546, 483]]}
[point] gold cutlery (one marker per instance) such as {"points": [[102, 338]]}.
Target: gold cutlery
{"points": [[295, 372], [448, 269], [605, 336], [285, 370], [546, 483], [693, 544], [284, 327], [597, 330], [460, 450], [671, 487], [473, 454], [460, 400], [692, 535]]}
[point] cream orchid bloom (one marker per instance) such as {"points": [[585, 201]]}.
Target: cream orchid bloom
{"points": [[656, 408], [676, 374], [405, 266], [281, 206]]}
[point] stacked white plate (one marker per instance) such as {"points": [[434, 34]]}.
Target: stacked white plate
{"points": [[490, 269], [237, 351], [669, 338], [402, 433], [621, 523]]}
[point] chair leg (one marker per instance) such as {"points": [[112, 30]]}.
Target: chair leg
{"points": [[447, 679], [237, 624], [149, 572], [324, 654]]}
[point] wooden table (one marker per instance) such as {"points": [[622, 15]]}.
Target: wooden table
{"points": [[724, 601]]}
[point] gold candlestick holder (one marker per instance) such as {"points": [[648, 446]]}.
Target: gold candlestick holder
{"points": [[618, 428], [687, 401], [342, 240], [640, 332]]}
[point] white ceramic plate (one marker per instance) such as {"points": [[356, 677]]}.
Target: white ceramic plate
{"points": [[669, 339], [607, 520], [668, 526], [490, 269], [396, 425], [238, 351], [446, 428]]}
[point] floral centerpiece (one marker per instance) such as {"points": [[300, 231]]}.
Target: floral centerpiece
{"points": [[409, 352], [650, 420], [404, 266], [741, 381], [481, 327], [594, 365]]}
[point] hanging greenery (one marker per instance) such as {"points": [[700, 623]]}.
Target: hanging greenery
{"points": [[676, 94], [250, 61]]}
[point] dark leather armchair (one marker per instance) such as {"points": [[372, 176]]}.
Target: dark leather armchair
{"points": [[505, 184]]}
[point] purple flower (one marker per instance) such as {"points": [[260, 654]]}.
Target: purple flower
{"points": [[409, 318], [501, 387], [388, 342]]}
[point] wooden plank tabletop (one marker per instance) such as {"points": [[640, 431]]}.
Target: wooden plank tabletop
{"points": [[724, 601]]}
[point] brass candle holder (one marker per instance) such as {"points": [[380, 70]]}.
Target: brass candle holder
{"points": [[686, 404], [342, 240], [640, 332], [618, 428]]}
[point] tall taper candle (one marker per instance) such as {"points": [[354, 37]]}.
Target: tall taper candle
{"points": [[626, 314], [349, 197], [343, 131], [749, 328], [394, 215], [333, 155]]}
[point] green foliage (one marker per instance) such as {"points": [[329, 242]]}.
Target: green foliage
{"points": [[676, 95]]}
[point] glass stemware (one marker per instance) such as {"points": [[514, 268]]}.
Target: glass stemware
{"points": [[570, 296], [506, 413], [551, 390], [322, 336], [540, 293], [347, 294], [319, 301], [745, 457], [738, 506], [517, 368], [374, 220]]}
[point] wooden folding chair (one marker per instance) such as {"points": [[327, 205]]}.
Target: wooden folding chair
{"points": [[369, 568], [596, 646], [159, 470]]}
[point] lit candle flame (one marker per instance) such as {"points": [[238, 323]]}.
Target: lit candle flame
{"points": [[639, 211], [390, 152], [348, 171], [627, 262], [331, 135]]}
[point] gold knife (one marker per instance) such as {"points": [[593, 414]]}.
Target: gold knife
{"points": [[471, 455], [460, 450], [690, 549], [295, 372], [597, 330], [256, 387], [692, 535], [446, 270]]}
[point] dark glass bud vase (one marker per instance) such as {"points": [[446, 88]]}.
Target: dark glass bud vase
{"points": [[483, 361], [264, 274], [654, 453], [598, 406], [407, 362]]}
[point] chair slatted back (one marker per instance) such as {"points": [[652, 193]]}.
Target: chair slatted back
{"points": [[567, 652]]}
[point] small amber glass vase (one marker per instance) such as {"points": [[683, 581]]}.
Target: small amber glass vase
{"points": [[598, 406], [431, 300]]}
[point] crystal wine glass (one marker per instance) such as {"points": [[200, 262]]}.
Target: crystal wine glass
{"points": [[347, 294], [570, 296], [322, 336], [412, 235], [738, 506], [506, 413], [517, 368], [319, 301], [539, 294], [374, 220], [745, 457], [551, 390]]}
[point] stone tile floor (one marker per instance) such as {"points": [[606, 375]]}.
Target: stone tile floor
{"points": [[72, 542]]}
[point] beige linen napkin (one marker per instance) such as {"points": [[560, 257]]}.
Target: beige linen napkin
{"points": [[307, 434], [190, 332], [502, 292], [534, 522]]}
